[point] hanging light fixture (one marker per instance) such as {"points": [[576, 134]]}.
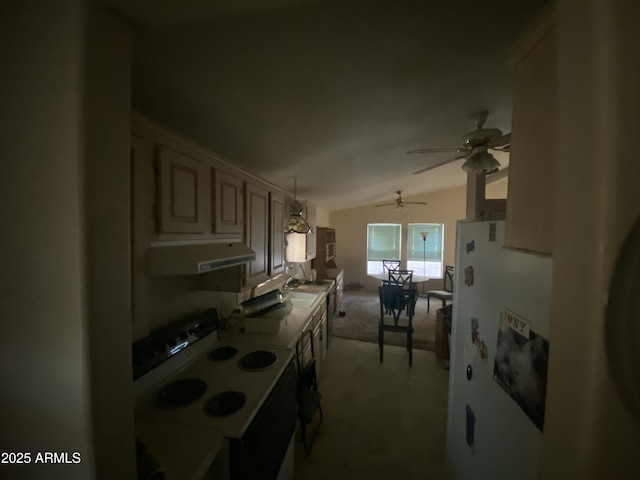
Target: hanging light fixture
{"points": [[296, 223], [481, 161]]}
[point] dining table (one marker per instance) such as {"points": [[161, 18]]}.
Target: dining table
{"points": [[385, 276]]}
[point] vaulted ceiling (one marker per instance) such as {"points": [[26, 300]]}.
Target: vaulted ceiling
{"points": [[333, 91]]}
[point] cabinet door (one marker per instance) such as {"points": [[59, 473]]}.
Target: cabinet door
{"points": [[276, 237], [227, 208], [256, 234], [339, 291], [311, 238], [324, 335], [183, 193], [530, 203], [317, 347]]}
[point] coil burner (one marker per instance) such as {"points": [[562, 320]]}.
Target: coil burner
{"points": [[224, 404], [221, 354], [181, 393], [257, 361]]}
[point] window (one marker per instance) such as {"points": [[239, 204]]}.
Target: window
{"points": [[383, 243], [424, 257]]}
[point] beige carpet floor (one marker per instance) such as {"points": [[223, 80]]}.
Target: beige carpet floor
{"points": [[362, 315], [383, 421]]}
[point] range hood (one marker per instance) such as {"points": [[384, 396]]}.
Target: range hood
{"points": [[195, 259]]}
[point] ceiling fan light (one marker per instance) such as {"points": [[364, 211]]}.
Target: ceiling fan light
{"points": [[481, 162]]}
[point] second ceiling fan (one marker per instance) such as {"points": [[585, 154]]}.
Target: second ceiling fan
{"points": [[475, 148], [399, 202]]}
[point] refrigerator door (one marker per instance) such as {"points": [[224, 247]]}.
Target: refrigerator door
{"points": [[489, 435]]}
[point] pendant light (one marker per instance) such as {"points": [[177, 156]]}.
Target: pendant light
{"points": [[296, 223]]}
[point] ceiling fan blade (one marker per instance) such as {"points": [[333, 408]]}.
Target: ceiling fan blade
{"points": [[415, 203], [499, 143], [444, 162], [385, 204], [434, 150]]}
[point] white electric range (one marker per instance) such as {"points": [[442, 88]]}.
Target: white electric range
{"points": [[245, 392]]}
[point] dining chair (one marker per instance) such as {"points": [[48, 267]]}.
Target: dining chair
{"points": [[388, 265], [447, 292], [400, 277], [394, 299]]}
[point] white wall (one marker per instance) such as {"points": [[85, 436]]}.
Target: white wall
{"points": [[588, 434], [445, 206], [108, 50], [322, 217], [65, 200], [45, 403]]}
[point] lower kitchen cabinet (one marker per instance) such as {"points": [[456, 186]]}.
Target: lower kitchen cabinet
{"points": [[312, 342], [324, 338], [336, 274], [339, 291]]}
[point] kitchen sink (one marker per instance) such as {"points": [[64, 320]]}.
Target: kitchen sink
{"points": [[302, 299]]}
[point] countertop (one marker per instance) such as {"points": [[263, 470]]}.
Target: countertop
{"points": [[181, 460], [162, 439], [294, 322]]}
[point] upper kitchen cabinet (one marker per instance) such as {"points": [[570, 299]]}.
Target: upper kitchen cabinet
{"points": [[183, 193], [264, 216], [276, 234], [195, 194], [530, 206], [228, 214], [256, 233], [310, 215]]}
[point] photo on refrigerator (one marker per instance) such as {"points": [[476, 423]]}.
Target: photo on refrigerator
{"points": [[521, 364]]}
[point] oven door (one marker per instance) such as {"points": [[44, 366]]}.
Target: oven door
{"points": [[263, 447]]}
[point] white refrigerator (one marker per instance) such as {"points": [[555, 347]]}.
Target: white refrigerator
{"points": [[499, 356]]}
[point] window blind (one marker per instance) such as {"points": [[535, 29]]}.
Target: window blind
{"points": [[425, 255], [383, 241]]}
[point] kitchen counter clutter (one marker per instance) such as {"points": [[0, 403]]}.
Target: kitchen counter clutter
{"points": [[295, 319]]}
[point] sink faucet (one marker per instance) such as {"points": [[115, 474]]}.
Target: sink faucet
{"points": [[303, 274], [291, 278]]}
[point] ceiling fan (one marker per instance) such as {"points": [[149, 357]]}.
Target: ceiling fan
{"points": [[399, 202], [475, 148]]}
